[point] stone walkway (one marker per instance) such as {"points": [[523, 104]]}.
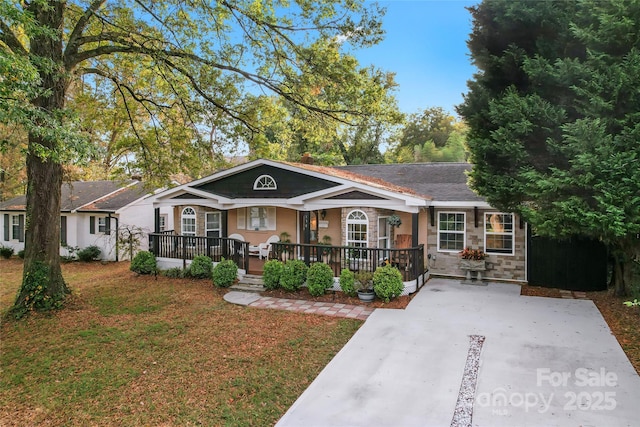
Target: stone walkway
{"points": [[300, 306]]}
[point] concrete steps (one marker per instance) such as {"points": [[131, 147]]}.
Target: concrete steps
{"points": [[249, 283]]}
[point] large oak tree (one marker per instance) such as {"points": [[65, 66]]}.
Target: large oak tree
{"points": [[554, 117], [208, 59]]}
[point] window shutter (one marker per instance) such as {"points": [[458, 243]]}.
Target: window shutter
{"points": [[107, 225], [6, 227], [242, 219], [21, 228], [63, 231], [271, 218], [92, 225]]}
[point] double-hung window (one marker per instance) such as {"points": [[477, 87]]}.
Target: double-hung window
{"points": [[357, 231], [451, 231], [498, 233]]}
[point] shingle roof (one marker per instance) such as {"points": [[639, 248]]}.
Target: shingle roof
{"points": [[440, 181], [105, 196]]}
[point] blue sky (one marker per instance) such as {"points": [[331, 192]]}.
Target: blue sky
{"points": [[425, 45]]}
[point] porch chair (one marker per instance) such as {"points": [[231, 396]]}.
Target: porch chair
{"points": [[265, 248], [240, 237], [403, 241]]}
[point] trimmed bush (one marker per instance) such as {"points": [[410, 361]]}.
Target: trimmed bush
{"points": [[21, 254], [319, 278], [173, 273], [294, 274], [387, 283], [6, 252], [347, 281], [201, 267], [272, 273], [143, 263], [90, 253], [225, 273]]}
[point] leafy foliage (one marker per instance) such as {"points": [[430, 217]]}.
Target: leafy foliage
{"points": [[6, 252], [319, 278], [90, 253], [225, 273], [37, 298], [271, 274], [144, 263], [347, 281], [174, 273], [294, 273], [553, 116], [201, 267], [387, 282]]}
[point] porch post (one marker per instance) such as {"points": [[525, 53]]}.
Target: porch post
{"points": [[224, 216], [156, 220], [414, 230], [306, 234]]}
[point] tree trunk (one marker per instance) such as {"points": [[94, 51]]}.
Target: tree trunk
{"points": [[623, 254], [43, 287]]}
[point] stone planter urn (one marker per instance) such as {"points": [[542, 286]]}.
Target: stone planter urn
{"points": [[473, 265], [366, 295]]}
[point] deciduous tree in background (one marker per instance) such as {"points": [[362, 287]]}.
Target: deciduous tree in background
{"points": [[554, 118], [207, 60]]}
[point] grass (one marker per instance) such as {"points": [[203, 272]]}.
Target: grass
{"points": [[131, 350]]}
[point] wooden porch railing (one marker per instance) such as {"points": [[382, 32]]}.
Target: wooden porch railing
{"points": [[410, 261], [167, 244]]}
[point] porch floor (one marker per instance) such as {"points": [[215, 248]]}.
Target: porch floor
{"points": [[256, 265]]}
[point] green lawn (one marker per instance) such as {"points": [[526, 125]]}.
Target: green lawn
{"points": [[131, 350]]}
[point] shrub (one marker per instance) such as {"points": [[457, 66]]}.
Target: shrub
{"points": [[143, 263], [225, 273], [294, 274], [319, 278], [272, 273], [174, 273], [387, 282], [201, 267], [21, 253], [6, 252], [347, 281], [90, 253]]}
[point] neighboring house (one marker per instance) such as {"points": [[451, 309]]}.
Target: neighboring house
{"points": [[92, 213], [349, 207]]}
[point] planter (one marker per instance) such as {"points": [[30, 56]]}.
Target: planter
{"points": [[473, 265], [366, 295]]}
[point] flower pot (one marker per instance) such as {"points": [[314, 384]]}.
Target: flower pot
{"points": [[366, 295], [472, 264]]}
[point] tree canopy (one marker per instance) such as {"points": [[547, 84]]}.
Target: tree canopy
{"points": [[553, 118], [175, 79]]}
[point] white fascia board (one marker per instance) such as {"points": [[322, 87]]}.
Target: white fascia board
{"points": [[459, 204], [380, 204], [394, 197]]}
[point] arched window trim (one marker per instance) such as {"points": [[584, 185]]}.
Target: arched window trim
{"points": [[265, 182], [362, 219], [188, 213]]}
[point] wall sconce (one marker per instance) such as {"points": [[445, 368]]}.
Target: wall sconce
{"points": [[323, 214]]}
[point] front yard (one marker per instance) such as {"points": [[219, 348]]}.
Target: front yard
{"points": [[131, 350]]}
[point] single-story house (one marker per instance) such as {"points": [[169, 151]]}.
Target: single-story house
{"points": [[92, 213], [345, 216]]}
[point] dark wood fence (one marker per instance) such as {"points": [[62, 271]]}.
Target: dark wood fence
{"points": [[577, 264], [170, 245], [410, 261]]}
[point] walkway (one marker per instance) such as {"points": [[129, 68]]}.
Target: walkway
{"points": [[300, 306]]}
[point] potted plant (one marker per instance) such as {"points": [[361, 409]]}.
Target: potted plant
{"points": [[326, 249], [473, 260], [285, 238], [394, 221], [364, 286]]}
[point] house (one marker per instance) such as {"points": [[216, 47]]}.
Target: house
{"points": [[341, 215], [92, 213]]}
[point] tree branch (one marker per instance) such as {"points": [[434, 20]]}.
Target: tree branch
{"points": [[9, 38], [81, 25]]}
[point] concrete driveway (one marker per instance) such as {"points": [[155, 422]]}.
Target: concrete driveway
{"points": [[544, 362]]}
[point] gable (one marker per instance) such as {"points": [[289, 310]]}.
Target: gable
{"points": [[288, 184], [356, 195]]}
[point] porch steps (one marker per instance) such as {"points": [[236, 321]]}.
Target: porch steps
{"points": [[249, 283]]}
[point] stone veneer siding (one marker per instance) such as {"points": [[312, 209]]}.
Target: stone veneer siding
{"points": [[499, 266]]}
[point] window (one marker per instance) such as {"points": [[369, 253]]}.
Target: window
{"points": [[17, 227], [383, 232], [265, 182], [498, 233], [102, 224], [357, 229], [63, 230], [261, 218], [212, 226], [451, 231], [188, 222], [162, 224]]}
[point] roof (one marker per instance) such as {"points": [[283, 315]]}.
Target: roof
{"points": [[100, 196], [445, 182]]}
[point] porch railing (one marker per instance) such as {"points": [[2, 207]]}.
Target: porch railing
{"points": [[409, 261], [167, 244]]}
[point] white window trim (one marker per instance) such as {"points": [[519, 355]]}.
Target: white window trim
{"points": [[15, 223], [271, 219], [206, 223], [162, 224], [265, 182], [189, 216], [349, 222], [388, 232], [512, 233], [464, 232], [101, 226]]}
